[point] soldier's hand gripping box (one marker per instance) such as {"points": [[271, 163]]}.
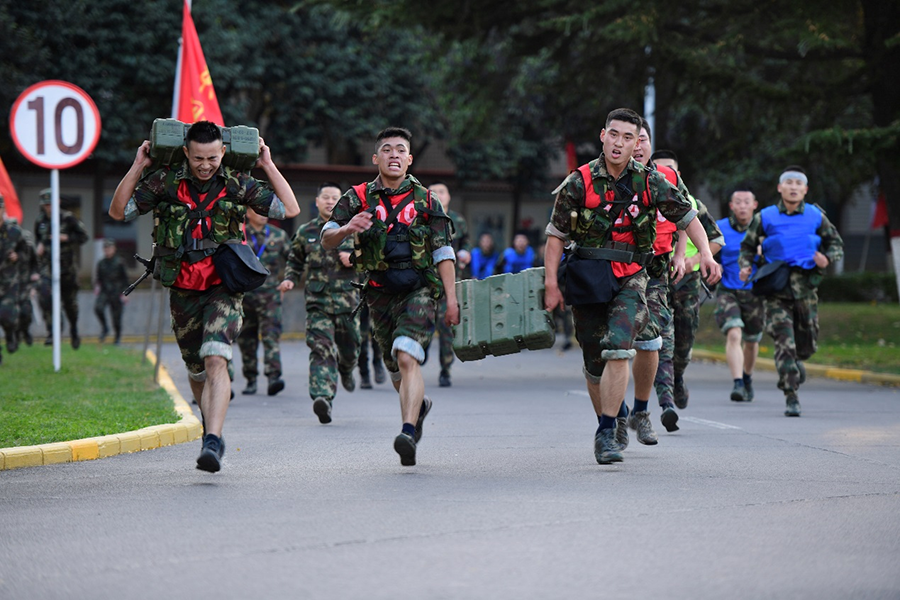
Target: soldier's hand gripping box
{"points": [[167, 138], [502, 314]]}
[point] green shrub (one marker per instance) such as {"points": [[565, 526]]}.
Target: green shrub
{"points": [[859, 287]]}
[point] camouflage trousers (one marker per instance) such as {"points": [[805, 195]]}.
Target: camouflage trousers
{"points": [[333, 342], [365, 337], [794, 327], [68, 292], [114, 302], [262, 319], [740, 308], [607, 331], [9, 309], [445, 335], [205, 324], [402, 323], [26, 309], [678, 336], [649, 338]]}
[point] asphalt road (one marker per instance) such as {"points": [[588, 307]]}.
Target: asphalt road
{"points": [[506, 501]]}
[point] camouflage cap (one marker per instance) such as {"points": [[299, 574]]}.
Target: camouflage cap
{"points": [[109, 243], [46, 193]]}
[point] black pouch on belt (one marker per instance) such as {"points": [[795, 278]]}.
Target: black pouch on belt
{"points": [[238, 267]]}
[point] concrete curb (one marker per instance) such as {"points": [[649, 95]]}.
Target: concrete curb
{"points": [[854, 375], [187, 429]]}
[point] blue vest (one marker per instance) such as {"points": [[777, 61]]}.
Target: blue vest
{"points": [[515, 262], [791, 238], [729, 256]]}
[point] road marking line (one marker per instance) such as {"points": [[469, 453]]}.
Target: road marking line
{"points": [[715, 424]]}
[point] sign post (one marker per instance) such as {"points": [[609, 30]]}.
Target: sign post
{"points": [[55, 125]]}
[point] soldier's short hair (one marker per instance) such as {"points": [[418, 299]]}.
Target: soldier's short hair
{"points": [[743, 187], [327, 184], [646, 125], [389, 132], [624, 114], [203, 132], [670, 154], [796, 168]]}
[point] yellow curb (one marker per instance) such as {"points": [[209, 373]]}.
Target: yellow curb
{"points": [[187, 429], [840, 374]]}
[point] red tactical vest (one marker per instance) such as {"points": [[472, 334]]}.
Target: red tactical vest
{"points": [[665, 229], [593, 200], [200, 275]]}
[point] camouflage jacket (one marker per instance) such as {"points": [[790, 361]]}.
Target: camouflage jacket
{"points": [[28, 264], [68, 225], [272, 247], [593, 225], [429, 230], [110, 276], [158, 191], [11, 240], [803, 282], [327, 284]]}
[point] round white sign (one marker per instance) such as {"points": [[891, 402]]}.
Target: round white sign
{"points": [[55, 124]]}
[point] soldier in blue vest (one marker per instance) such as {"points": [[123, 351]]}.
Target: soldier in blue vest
{"points": [[802, 236], [739, 313]]}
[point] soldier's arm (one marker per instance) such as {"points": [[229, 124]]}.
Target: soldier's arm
{"points": [[125, 189], [569, 197], [832, 247], [346, 219], [749, 245], [77, 232], [282, 188]]}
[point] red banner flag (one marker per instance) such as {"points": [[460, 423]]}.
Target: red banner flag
{"points": [[197, 97], [10, 197], [880, 214]]}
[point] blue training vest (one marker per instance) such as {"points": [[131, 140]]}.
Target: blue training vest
{"points": [[729, 256], [791, 238]]}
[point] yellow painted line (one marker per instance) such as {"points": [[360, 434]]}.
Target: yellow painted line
{"points": [[187, 429]]}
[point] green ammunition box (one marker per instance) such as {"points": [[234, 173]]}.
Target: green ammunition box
{"points": [[502, 314], [167, 139]]}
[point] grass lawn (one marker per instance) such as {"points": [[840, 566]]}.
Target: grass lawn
{"points": [[99, 390], [852, 335]]}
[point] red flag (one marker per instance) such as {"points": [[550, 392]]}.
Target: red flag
{"points": [[571, 158], [880, 214], [197, 98], [13, 208]]}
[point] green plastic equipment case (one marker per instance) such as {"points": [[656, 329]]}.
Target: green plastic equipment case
{"points": [[167, 139], [502, 314]]}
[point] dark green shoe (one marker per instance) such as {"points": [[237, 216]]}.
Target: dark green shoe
{"points": [[669, 419], [640, 422], [802, 372], [739, 394], [792, 405], [681, 393], [606, 448], [622, 432], [322, 408]]}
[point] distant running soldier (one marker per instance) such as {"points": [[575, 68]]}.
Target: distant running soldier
{"points": [[109, 281], [12, 249]]}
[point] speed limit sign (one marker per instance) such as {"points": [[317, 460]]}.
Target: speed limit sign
{"points": [[55, 124]]}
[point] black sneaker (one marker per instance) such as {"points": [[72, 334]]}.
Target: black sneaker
{"points": [[49, 340], [423, 412], [405, 446], [739, 394], [276, 384], [12, 342], [791, 405], [251, 388], [364, 382], [380, 376], [606, 448], [348, 381], [681, 393], [669, 419], [210, 458], [322, 408], [622, 432], [29, 339], [76, 341], [444, 379]]}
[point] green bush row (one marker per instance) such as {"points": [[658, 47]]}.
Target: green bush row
{"points": [[859, 287]]}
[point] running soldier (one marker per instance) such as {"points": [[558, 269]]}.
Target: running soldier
{"points": [[72, 234], [262, 306], [740, 314], [605, 212], [332, 332], [404, 244], [802, 236], [29, 276], [366, 339], [461, 247], [109, 281], [12, 249], [197, 206]]}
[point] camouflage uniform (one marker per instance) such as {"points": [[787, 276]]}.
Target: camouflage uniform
{"points": [[445, 332], [607, 331], [332, 332], [29, 274], [401, 322], [792, 314], [684, 302], [68, 269], [205, 321], [11, 241], [739, 307], [111, 280], [262, 306]]}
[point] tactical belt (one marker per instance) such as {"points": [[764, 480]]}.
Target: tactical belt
{"points": [[616, 252], [193, 244], [405, 264]]}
